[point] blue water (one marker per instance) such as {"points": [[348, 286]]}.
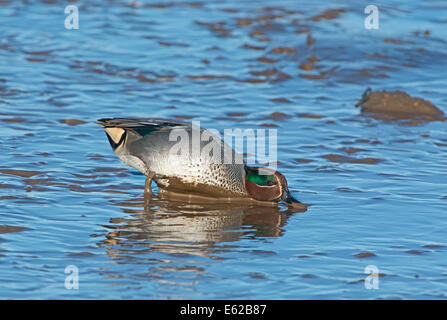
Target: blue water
{"points": [[66, 199]]}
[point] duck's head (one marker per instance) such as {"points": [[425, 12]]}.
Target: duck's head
{"points": [[269, 185]]}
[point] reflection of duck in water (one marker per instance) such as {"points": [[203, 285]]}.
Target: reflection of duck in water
{"points": [[151, 146], [175, 226]]}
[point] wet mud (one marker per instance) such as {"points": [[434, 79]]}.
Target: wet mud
{"points": [[397, 105]]}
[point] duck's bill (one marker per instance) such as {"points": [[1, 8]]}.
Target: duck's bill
{"points": [[289, 200]]}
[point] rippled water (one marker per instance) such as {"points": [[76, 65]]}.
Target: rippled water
{"points": [[376, 189]]}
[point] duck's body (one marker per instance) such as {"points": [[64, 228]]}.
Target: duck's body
{"points": [[165, 151]]}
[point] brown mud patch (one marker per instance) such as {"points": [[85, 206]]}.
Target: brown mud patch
{"points": [[8, 186], [278, 116], [207, 77], [362, 255], [268, 125], [310, 116], [176, 44], [280, 100], [80, 254], [267, 60], [310, 41], [266, 72], [13, 120], [267, 75], [398, 105], [328, 15], [397, 41], [183, 117], [35, 60], [301, 160], [414, 251], [322, 75], [257, 275], [309, 63], [308, 276], [20, 173], [344, 159], [351, 150], [236, 114], [46, 182], [433, 246], [166, 5], [72, 122], [282, 50], [11, 229], [38, 53], [306, 66], [218, 28], [252, 47]]}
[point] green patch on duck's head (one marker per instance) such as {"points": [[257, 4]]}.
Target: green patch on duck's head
{"points": [[261, 178]]}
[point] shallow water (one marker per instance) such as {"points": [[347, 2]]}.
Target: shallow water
{"points": [[376, 189]]}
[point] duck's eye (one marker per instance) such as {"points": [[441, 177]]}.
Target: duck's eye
{"points": [[271, 183]]}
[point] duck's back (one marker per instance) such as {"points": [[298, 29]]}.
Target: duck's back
{"points": [[182, 157]]}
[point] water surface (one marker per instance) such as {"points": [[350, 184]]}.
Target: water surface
{"points": [[376, 189]]}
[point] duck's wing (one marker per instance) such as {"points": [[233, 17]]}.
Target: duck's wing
{"points": [[139, 124], [146, 138]]}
